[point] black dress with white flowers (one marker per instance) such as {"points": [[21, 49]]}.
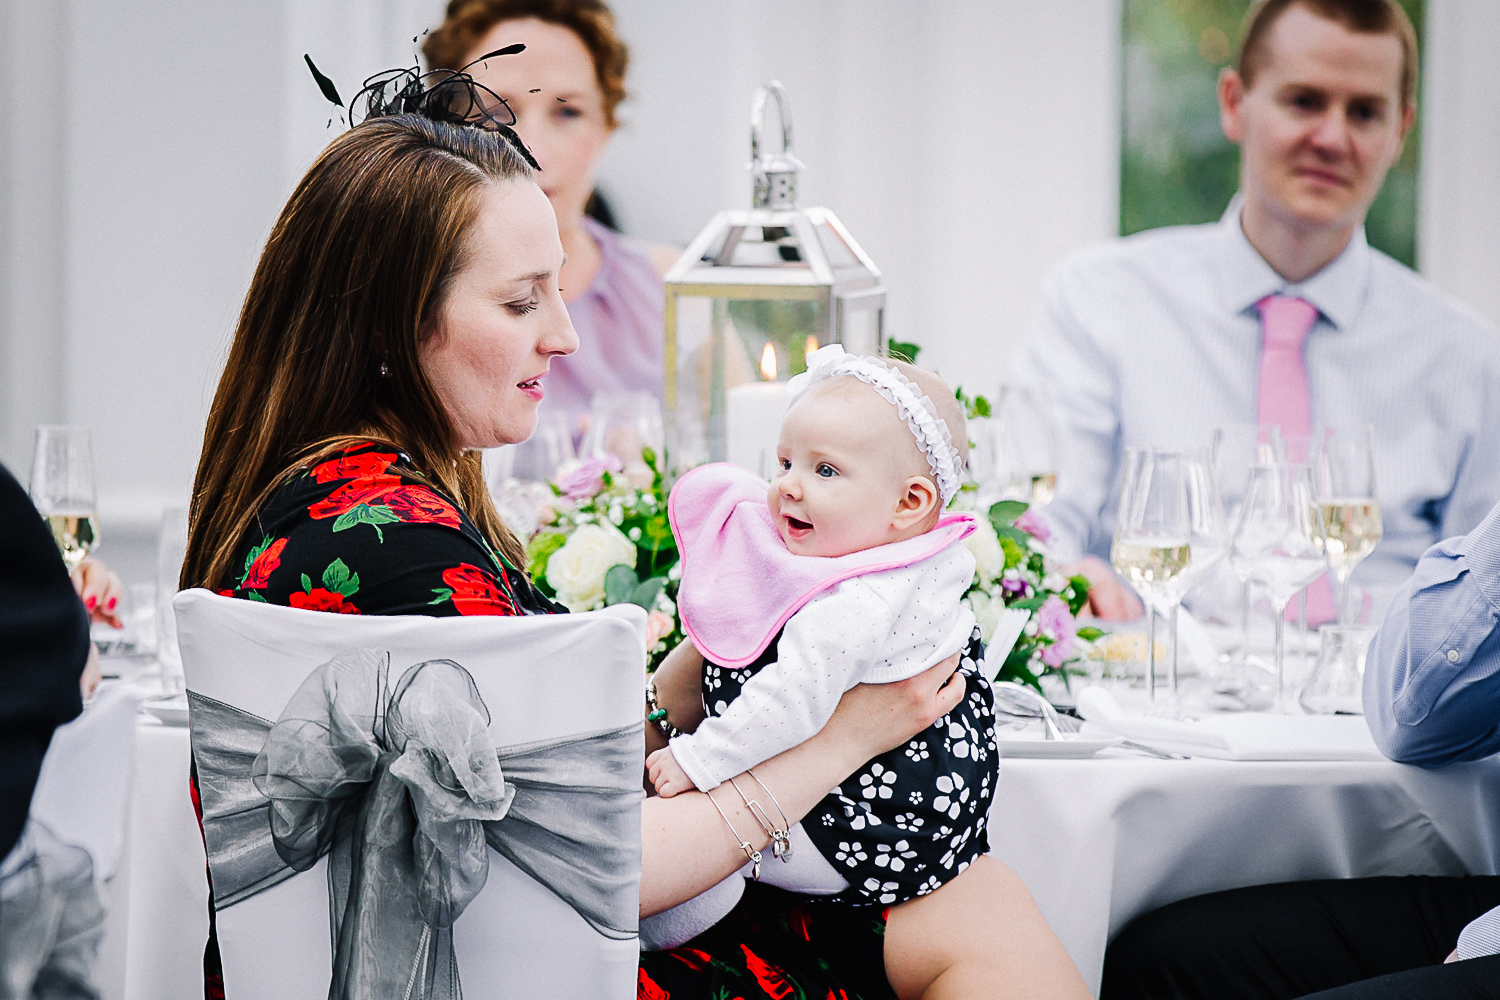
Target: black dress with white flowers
{"points": [[914, 817]]}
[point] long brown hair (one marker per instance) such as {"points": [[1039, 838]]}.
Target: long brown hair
{"points": [[451, 44], [326, 349]]}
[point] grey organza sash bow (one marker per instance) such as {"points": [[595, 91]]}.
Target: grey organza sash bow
{"points": [[402, 789]]}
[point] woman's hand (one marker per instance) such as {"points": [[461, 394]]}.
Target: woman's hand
{"points": [[99, 590], [679, 685], [874, 718]]}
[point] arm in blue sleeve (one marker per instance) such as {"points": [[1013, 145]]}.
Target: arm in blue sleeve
{"points": [[1432, 677]]}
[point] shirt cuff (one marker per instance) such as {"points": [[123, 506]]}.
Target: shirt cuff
{"points": [[1481, 553], [692, 763], [1481, 937]]}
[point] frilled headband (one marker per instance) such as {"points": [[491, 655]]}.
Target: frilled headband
{"points": [[913, 405]]}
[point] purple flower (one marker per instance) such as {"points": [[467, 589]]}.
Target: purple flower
{"points": [[1013, 586], [586, 478], [1054, 619], [1034, 525]]}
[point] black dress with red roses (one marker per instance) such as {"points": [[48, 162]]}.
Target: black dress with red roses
{"points": [[362, 534]]}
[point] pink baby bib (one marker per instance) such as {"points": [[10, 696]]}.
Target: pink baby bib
{"points": [[740, 584]]}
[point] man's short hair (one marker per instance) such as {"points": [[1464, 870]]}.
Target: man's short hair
{"points": [[1371, 17]]}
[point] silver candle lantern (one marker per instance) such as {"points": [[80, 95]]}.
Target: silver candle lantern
{"points": [[753, 294]]}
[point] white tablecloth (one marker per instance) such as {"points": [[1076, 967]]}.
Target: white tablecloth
{"points": [[1101, 841], [1097, 842]]}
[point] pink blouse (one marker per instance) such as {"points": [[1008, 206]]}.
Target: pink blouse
{"points": [[619, 324]]}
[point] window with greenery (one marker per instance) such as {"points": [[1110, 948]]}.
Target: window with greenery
{"points": [[1176, 166]]}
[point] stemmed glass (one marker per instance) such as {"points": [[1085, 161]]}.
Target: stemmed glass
{"points": [[1237, 450], [1345, 469], [1023, 446], [624, 424], [1153, 536], [62, 487], [1279, 543]]}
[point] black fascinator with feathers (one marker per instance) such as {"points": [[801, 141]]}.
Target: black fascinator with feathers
{"points": [[442, 95]]}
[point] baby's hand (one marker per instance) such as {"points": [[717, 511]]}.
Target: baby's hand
{"points": [[666, 774]]}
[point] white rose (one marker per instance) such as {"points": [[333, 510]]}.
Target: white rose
{"points": [[989, 558], [576, 571], [987, 611]]}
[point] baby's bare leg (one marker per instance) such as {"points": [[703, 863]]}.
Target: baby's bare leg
{"points": [[979, 936]]}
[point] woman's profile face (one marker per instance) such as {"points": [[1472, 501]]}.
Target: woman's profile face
{"points": [[502, 320], [554, 91]]}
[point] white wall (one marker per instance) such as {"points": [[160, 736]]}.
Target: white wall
{"points": [[146, 147]]}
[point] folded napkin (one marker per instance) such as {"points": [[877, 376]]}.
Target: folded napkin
{"points": [[1241, 736]]}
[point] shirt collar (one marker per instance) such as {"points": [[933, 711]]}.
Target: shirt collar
{"points": [[1337, 291]]}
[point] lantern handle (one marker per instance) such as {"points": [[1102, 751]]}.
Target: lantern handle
{"points": [[774, 175], [758, 118]]}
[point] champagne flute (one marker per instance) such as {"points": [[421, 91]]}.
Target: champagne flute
{"points": [[1346, 497], [1237, 450], [62, 487], [1025, 446], [1152, 543], [1208, 537], [1279, 543]]}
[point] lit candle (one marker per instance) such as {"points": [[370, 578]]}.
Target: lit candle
{"points": [[754, 412]]}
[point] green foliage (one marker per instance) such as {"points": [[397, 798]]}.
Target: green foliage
{"points": [[339, 580], [975, 407], [902, 350], [539, 551]]}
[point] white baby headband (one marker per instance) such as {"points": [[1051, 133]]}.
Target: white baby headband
{"points": [[912, 404]]}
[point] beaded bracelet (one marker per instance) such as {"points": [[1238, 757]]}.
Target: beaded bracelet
{"points": [[781, 844], [657, 715], [745, 845]]}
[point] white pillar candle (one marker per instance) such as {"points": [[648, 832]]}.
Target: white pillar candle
{"points": [[753, 424]]}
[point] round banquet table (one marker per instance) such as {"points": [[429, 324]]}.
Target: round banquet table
{"points": [[1097, 841]]}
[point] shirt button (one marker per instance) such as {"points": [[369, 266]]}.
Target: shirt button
{"points": [[1453, 656]]}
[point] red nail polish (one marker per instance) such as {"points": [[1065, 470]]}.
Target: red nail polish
{"points": [[111, 605], [91, 603]]}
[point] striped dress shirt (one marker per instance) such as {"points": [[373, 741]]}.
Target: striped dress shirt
{"points": [[1154, 340]]}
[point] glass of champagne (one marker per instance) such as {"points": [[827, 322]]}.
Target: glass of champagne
{"points": [[62, 487], [1024, 446], [1280, 544], [1152, 542], [1345, 470]]}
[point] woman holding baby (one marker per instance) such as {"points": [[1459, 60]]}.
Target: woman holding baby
{"points": [[406, 312]]}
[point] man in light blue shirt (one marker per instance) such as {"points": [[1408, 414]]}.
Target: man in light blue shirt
{"points": [[1155, 339]]}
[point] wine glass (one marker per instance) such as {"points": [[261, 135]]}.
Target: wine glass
{"points": [[1152, 543], [1024, 446], [1279, 543], [1208, 537], [62, 487], [1237, 449], [624, 425], [1345, 471]]}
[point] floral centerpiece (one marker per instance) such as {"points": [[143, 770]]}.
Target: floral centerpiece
{"points": [[1011, 572], [604, 539]]}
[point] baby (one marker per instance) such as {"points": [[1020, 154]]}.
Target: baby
{"points": [[846, 571]]}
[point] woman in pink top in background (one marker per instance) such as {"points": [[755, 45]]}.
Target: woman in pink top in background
{"points": [[564, 89]]}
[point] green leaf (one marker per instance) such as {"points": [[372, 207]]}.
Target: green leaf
{"points": [[443, 594], [1091, 634], [255, 596], [306, 584], [1003, 513], [1015, 552], [619, 583], [338, 579], [902, 350], [647, 591], [1029, 603], [365, 514], [539, 551], [981, 407]]}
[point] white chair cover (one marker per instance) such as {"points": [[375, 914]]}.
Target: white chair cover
{"points": [[541, 678]]}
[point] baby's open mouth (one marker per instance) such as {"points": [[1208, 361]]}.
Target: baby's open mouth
{"points": [[797, 525]]}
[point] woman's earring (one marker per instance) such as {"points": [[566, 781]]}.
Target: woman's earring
{"points": [[385, 371]]}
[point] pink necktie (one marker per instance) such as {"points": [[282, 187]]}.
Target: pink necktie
{"points": [[1283, 398]]}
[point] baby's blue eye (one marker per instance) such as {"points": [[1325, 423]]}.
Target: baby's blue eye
{"points": [[825, 470]]}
